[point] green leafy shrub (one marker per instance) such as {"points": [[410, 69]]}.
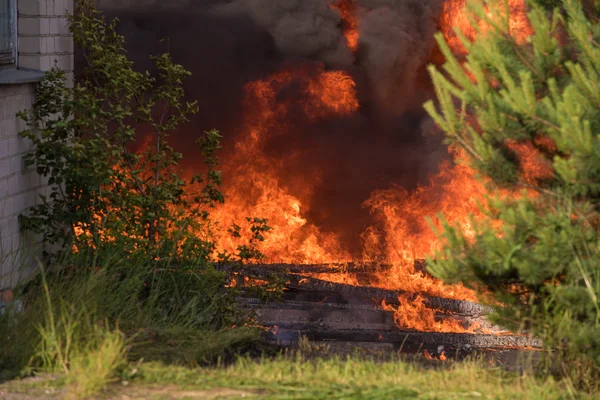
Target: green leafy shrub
{"points": [[130, 238], [543, 262], [102, 191]]}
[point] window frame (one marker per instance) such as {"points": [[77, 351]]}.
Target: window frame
{"points": [[9, 59]]}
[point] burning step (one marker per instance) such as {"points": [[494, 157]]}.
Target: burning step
{"points": [[290, 320], [298, 277], [306, 315], [351, 316]]}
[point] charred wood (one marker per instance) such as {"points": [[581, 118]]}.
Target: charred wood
{"points": [[313, 332], [302, 282]]}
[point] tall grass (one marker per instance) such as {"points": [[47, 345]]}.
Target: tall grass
{"points": [[86, 316], [359, 378]]}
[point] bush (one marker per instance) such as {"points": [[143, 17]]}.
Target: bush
{"points": [[102, 191], [538, 252], [130, 247]]}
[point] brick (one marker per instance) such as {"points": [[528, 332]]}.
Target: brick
{"points": [[30, 199], [30, 44], [49, 7], [15, 184], [13, 146], [28, 26], [45, 26], [54, 26], [7, 206], [16, 164], [50, 44], [19, 203], [63, 26], [13, 225], [43, 7], [21, 124], [45, 63], [63, 44], [44, 42], [59, 7], [4, 146], [27, 61], [8, 127], [11, 106], [34, 180], [5, 227], [30, 7], [52, 61], [3, 188], [10, 90], [66, 62], [6, 248], [4, 169]]}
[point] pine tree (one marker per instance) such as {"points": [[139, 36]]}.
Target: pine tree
{"points": [[538, 251]]}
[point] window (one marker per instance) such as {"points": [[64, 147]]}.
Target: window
{"points": [[8, 32]]}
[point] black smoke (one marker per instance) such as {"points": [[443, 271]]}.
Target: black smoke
{"points": [[226, 44]]}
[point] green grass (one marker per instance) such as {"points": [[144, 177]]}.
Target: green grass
{"points": [[357, 379], [289, 377], [188, 346], [169, 335], [86, 324]]}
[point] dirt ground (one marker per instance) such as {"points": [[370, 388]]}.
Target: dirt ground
{"points": [[42, 388]]}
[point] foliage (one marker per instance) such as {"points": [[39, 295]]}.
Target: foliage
{"points": [[73, 320], [134, 200], [355, 377], [88, 354], [292, 377], [131, 236], [538, 252]]}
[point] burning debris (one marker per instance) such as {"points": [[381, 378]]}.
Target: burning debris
{"points": [[324, 311], [326, 139]]}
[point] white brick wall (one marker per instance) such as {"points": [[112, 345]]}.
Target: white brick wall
{"points": [[44, 39], [44, 42]]}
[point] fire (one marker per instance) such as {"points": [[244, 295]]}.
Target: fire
{"points": [[428, 356], [412, 313], [456, 16], [534, 166], [257, 188], [404, 235], [345, 278], [348, 12]]}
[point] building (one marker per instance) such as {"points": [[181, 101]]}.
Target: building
{"points": [[34, 37]]}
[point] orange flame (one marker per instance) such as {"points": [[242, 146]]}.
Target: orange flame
{"points": [[455, 16], [257, 188], [412, 313], [404, 235], [428, 356], [348, 13]]}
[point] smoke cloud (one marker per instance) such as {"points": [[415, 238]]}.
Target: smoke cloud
{"points": [[227, 44]]}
